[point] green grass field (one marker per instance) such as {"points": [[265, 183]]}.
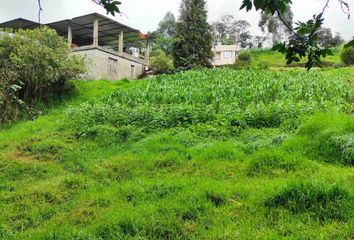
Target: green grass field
{"points": [[203, 154], [261, 57]]}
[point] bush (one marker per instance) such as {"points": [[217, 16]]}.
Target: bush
{"points": [[244, 60], [160, 62], [347, 55], [39, 64], [245, 57]]}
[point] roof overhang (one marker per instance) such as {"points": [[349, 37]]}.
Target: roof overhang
{"points": [[82, 29], [19, 23]]}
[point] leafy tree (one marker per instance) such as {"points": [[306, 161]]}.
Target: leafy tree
{"points": [[162, 38], [326, 39], [167, 25], [245, 40], [259, 40], [33, 64], [275, 27], [193, 39], [228, 30], [160, 62]]}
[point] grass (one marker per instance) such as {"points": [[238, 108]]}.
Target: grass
{"points": [[159, 159], [266, 57]]}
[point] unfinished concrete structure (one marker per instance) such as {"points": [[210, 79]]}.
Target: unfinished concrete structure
{"points": [[101, 41]]}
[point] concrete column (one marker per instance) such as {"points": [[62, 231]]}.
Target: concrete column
{"points": [[70, 36], [120, 43], [147, 53], [95, 33]]}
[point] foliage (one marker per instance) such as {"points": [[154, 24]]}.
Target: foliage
{"points": [[162, 38], [347, 55], [244, 57], [273, 25], [326, 39], [33, 64], [259, 40], [167, 25], [160, 62], [228, 31], [111, 6], [193, 39]]}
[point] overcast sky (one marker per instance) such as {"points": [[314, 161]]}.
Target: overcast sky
{"points": [[146, 14]]}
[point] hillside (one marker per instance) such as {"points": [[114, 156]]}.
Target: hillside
{"points": [[202, 154], [272, 59]]}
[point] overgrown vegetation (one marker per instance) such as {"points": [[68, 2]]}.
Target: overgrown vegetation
{"points": [[202, 154], [34, 64]]}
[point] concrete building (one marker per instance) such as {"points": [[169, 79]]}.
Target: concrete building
{"points": [[102, 41], [224, 55]]}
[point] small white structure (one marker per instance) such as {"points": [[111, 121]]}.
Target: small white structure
{"points": [[224, 55]]}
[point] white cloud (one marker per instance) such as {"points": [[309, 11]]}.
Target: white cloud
{"points": [[145, 15]]}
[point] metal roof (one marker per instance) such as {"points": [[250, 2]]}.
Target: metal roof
{"points": [[20, 23], [82, 29]]}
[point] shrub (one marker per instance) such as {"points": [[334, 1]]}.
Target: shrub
{"points": [[244, 57], [160, 62], [243, 61], [347, 55], [40, 66]]}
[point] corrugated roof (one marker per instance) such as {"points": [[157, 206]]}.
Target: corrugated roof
{"points": [[82, 29], [20, 23]]}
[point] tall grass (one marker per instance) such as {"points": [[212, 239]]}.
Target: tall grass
{"points": [[224, 97]]}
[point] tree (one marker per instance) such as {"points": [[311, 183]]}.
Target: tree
{"points": [[160, 62], [275, 27], [326, 39], [162, 38], [33, 65], [244, 40], [259, 40], [193, 39], [228, 30], [167, 25]]}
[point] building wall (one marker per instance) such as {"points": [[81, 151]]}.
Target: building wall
{"points": [[219, 58], [106, 64], [224, 55]]}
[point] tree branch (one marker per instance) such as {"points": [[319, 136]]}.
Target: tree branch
{"points": [[39, 11], [290, 28]]}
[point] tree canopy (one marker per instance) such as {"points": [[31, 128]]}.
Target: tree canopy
{"points": [[193, 39], [229, 30], [275, 27]]}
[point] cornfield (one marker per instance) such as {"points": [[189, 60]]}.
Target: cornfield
{"points": [[218, 97]]}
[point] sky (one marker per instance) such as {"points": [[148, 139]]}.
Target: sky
{"points": [[146, 14]]}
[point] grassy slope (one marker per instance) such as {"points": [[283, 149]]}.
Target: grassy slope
{"points": [[170, 184], [276, 59]]}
